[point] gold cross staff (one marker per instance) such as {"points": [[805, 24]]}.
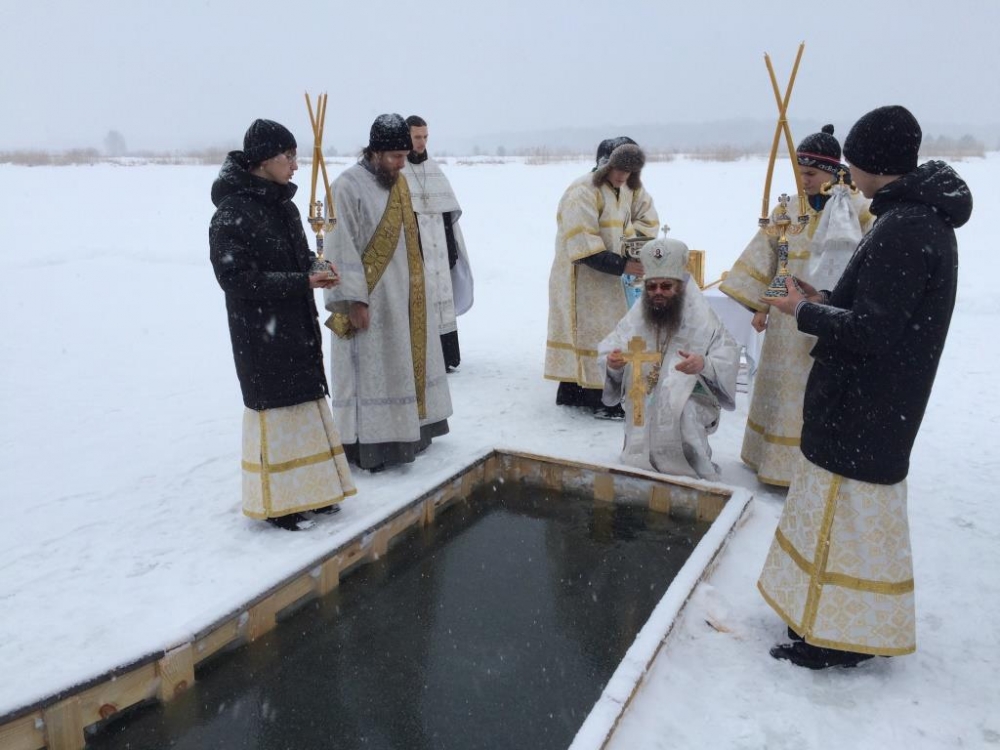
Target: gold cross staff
{"points": [[637, 356]]}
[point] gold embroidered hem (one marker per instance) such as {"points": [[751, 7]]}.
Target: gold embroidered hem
{"points": [[293, 461], [839, 571]]}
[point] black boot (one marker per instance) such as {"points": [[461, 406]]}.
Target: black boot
{"points": [[288, 523], [327, 510], [802, 654]]}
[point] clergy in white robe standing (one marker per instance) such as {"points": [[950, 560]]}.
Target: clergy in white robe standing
{"points": [[446, 261], [672, 364], [586, 296], [818, 255], [390, 392]]}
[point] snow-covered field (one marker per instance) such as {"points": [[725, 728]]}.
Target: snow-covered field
{"points": [[121, 530]]}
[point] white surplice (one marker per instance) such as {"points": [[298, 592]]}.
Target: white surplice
{"points": [[432, 197]]}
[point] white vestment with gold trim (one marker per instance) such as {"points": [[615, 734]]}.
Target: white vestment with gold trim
{"points": [[372, 381], [774, 422], [839, 571], [584, 304], [293, 460]]}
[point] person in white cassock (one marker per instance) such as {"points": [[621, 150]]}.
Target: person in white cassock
{"points": [[293, 460], [586, 295], [390, 392], [837, 220], [446, 262], [672, 364]]}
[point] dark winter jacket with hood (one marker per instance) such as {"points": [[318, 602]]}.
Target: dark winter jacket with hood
{"points": [[261, 259], [882, 334]]}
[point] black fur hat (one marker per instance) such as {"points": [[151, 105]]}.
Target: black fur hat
{"points": [[610, 144], [820, 151], [628, 157]]}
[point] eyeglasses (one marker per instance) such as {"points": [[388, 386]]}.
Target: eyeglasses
{"points": [[666, 286], [291, 155]]}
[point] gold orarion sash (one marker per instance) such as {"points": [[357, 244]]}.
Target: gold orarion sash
{"points": [[398, 216]]}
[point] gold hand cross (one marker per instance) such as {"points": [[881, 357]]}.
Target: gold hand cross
{"points": [[636, 356]]}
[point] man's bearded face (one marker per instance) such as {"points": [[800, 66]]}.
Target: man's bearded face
{"points": [[388, 165], [662, 300]]}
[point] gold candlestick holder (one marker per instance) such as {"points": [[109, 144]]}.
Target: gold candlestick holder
{"points": [[321, 215], [781, 226]]}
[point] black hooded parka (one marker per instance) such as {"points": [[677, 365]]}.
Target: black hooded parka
{"points": [[881, 336], [261, 259]]}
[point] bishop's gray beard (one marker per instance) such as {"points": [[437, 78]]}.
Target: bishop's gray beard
{"points": [[667, 316]]}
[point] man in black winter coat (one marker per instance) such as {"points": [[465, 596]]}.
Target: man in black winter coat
{"points": [[293, 460], [839, 572]]}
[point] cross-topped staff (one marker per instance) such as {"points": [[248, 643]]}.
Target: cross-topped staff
{"points": [[321, 218], [637, 391], [782, 225]]}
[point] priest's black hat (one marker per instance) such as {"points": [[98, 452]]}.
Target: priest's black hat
{"points": [[390, 133]]}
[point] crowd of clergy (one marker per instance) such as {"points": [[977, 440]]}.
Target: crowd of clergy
{"points": [[852, 337]]}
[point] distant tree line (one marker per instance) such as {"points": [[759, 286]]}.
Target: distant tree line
{"points": [[115, 149]]}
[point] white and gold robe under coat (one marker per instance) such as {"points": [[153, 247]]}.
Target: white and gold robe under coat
{"points": [[585, 305], [293, 461], [839, 571]]}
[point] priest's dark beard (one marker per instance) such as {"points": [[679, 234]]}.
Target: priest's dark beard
{"points": [[667, 316], [385, 178]]}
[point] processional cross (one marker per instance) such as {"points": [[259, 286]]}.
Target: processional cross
{"points": [[637, 391]]}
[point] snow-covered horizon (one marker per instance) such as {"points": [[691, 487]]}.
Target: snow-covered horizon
{"points": [[120, 446]]}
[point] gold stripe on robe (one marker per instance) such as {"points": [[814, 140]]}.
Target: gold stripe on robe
{"points": [[293, 461], [839, 571]]}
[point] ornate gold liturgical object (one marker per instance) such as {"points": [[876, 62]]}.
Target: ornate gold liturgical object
{"points": [[322, 218], [640, 387], [781, 226]]}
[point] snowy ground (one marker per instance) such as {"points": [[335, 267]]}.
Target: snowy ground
{"points": [[120, 441]]}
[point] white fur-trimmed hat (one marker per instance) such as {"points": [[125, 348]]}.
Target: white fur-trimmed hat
{"points": [[664, 258]]}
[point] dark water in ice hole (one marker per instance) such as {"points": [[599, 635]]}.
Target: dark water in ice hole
{"points": [[496, 627]]}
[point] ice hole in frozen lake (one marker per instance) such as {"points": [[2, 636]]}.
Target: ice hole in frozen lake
{"points": [[495, 621]]}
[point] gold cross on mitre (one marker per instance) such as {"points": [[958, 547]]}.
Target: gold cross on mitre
{"points": [[637, 356]]}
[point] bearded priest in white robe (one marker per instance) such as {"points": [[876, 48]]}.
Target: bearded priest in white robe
{"points": [[672, 364], [390, 392], [446, 262], [586, 295]]}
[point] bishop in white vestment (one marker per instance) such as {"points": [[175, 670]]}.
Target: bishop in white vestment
{"points": [[672, 364]]}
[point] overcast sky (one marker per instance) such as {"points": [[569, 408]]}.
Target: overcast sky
{"points": [[189, 73]]}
